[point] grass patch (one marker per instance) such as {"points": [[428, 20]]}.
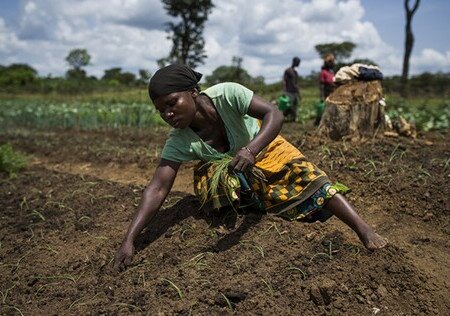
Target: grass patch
{"points": [[11, 161]]}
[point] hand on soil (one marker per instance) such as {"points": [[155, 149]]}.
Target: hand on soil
{"points": [[124, 255]]}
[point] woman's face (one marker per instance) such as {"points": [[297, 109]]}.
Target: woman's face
{"points": [[177, 109]]}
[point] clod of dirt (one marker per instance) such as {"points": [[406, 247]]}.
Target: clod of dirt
{"points": [[321, 292], [382, 291], [311, 236], [427, 217]]}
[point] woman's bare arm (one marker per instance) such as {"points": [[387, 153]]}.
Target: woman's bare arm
{"points": [[152, 199], [272, 121]]}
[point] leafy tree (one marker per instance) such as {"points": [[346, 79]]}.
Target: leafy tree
{"points": [[144, 76], [75, 74], [116, 75], [17, 75], [112, 74], [236, 62], [223, 74], [409, 40], [234, 73], [187, 39], [78, 58], [341, 51], [127, 78]]}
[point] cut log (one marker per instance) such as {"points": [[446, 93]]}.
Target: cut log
{"points": [[354, 111]]}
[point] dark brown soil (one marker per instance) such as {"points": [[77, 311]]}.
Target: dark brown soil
{"points": [[60, 226]]}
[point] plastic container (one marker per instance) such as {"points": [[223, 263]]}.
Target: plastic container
{"points": [[284, 103]]}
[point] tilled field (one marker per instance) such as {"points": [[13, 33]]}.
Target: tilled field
{"points": [[64, 217]]}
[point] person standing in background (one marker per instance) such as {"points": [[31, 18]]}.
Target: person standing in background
{"points": [[290, 88], [326, 83]]}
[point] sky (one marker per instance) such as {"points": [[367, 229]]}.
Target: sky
{"points": [[267, 34]]}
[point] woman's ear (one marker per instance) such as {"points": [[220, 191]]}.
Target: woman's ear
{"points": [[194, 93]]}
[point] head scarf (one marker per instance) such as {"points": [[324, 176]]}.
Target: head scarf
{"points": [[173, 78]]}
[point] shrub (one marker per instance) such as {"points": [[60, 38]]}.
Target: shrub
{"points": [[11, 161]]}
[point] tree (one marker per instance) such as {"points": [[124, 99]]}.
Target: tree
{"points": [[127, 78], [341, 51], [234, 73], [17, 75], [78, 58], [76, 74], [187, 39], [144, 76], [112, 74], [409, 41], [236, 62], [226, 73], [115, 75]]}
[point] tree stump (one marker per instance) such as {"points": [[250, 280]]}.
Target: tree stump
{"points": [[354, 111]]}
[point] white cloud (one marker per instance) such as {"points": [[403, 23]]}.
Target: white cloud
{"points": [[430, 60], [9, 43], [266, 33], [109, 30]]}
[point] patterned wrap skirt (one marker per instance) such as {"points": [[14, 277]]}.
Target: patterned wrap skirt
{"points": [[281, 182]]}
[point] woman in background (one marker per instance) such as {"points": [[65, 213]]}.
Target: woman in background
{"points": [[326, 83]]}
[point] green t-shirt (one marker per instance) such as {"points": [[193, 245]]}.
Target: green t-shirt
{"points": [[231, 101]]}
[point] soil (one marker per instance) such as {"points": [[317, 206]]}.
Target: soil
{"points": [[64, 216]]}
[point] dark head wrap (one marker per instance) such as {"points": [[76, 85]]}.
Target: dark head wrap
{"points": [[173, 78]]}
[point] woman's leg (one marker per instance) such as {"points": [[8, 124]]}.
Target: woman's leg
{"points": [[340, 207]]}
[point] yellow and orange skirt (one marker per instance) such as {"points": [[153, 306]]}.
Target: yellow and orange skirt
{"points": [[285, 184]]}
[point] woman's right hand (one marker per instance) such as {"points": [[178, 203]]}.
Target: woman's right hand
{"points": [[244, 159], [124, 255]]}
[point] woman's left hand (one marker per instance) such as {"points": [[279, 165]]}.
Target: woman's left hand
{"points": [[243, 160]]}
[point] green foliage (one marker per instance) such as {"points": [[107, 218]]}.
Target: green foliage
{"points": [[17, 75], [76, 74], [427, 114], [187, 35], [219, 178], [419, 85], [11, 161], [341, 51], [144, 76], [78, 58], [228, 73], [80, 115], [131, 108], [234, 73], [116, 75]]}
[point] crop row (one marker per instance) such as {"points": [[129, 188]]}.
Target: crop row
{"points": [[80, 115], [41, 114]]}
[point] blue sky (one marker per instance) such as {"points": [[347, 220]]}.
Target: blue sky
{"points": [[431, 22], [266, 33]]}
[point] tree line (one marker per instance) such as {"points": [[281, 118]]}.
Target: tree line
{"points": [[24, 78]]}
